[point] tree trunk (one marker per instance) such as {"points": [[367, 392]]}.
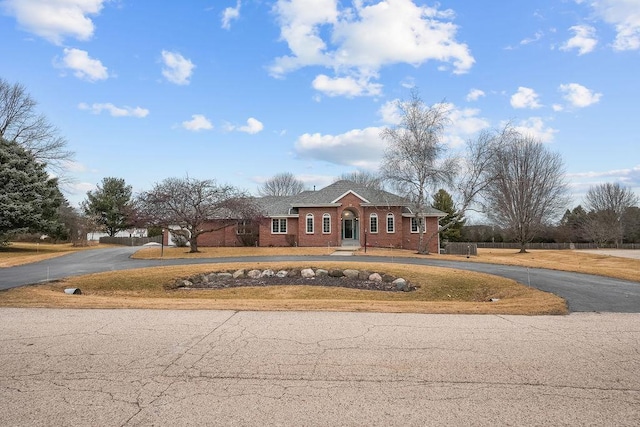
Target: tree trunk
{"points": [[193, 243]]}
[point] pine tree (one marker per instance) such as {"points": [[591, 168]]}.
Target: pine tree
{"points": [[29, 198], [443, 201]]}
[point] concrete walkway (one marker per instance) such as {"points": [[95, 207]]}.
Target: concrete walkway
{"points": [[176, 368]]}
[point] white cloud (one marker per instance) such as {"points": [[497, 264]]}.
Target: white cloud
{"points": [[72, 166], [629, 177], [349, 40], [536, 128], [54, 20], [624, 15], [230, 14], [475, 94], [346, 86], [84, 67], [584, 39], [578, 95], [464, 123], [177, 69], [197, 123], [390, 112], [253, 126], [537, 36], [77, 188], [115, 111], [362, 148], [525, 98]]}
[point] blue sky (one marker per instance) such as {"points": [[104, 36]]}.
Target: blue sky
{"points": [[240, 90]]}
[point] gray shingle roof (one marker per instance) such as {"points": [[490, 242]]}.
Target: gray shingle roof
{"points": [[276, 206]]}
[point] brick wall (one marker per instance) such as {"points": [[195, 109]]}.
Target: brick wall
{"points": [[268, 239], [318, 238], [223, 235], [410, 240], [382, 238]]}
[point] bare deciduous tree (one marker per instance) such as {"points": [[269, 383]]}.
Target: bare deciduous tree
{"points": [[368, 179], [282, 184], [191, 203], [416, 162], [527, 188], [20, 123], [608, 204]]}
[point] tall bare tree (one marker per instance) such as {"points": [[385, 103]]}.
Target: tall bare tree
{"points": [[20, 123], [415, 161], [282, 184], [191, 204], [608, 204], [527, 188]]}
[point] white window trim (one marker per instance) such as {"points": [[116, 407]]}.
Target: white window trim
{"points": [[393, 223], [374, 215], [306, 223], [286, 225], [424, 225], [325, 216]]}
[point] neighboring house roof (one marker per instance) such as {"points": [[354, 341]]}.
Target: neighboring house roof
{"points": [[330, 196]]}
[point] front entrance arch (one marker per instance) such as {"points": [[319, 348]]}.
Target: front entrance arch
{"points": [[350, 226]]}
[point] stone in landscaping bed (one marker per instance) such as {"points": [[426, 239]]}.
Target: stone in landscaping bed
{"points": [[350, 278]]}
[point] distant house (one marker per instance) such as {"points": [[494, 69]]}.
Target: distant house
{"points": [[131, 232], [342, 214]]}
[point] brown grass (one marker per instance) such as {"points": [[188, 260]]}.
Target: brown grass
{"points": [[25, 253], [154, 252], [564, 260], [440, 291]]}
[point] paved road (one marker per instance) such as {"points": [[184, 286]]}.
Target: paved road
{"points": [[190, 367], [583, 292]]}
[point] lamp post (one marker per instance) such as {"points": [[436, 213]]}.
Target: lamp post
{"points": [[162, 244]]}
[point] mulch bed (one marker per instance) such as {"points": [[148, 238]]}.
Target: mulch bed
{"points": [[343, 282]]}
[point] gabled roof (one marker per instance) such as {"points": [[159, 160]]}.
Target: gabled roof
{"points": [[334, 192], [330, 196]]}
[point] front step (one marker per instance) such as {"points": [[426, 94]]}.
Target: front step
{"points": [[345, 250]]}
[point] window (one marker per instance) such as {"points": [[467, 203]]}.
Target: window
{"points": [[244, 226], [414, 225], [391, 223], [373, 223], [326, 223], [279, 226], [309, 223]]}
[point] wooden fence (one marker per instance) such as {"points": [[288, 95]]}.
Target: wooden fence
{"points": [[131, 241], [556, 246]]}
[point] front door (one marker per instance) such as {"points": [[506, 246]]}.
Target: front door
{"points": [[347, 228]]}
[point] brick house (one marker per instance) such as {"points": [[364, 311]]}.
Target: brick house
{"points": [[342, 214]]}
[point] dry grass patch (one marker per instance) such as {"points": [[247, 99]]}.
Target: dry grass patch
{"points": [[564, 260], [439, 291], [25, 253], [154, 252]]}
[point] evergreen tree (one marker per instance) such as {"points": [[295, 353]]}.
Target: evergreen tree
{"points": [[29, 198], [111, 204], [443, 201]]}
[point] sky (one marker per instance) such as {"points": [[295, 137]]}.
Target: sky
{"points": [[241, 90]]}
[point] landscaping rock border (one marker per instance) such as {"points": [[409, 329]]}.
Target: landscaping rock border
{"points": [[311, 276]]}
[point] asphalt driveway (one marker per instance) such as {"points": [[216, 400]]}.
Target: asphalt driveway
{"points": [[583, 292]]}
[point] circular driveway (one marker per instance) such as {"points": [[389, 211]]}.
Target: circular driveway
{"points": [[583, 293]]}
